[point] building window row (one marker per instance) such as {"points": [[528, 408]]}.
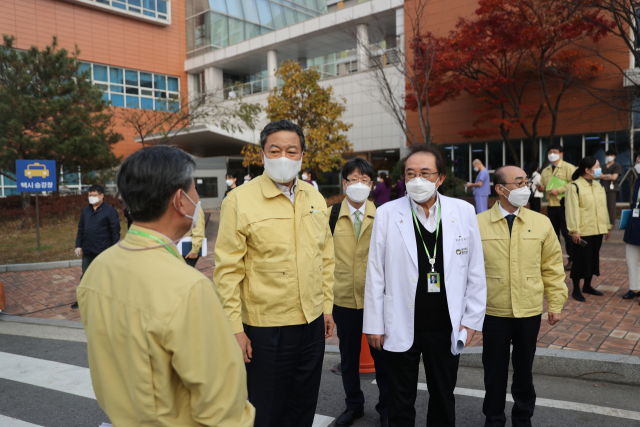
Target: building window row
{"points": [[135, 89], [157, 9]]}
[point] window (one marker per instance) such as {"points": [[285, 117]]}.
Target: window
{"points": [[135, 89], [207, 187], [157, 9]]}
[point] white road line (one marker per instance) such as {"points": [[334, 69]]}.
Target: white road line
{"points": [[12, 422], [62, 377], [557, 404], [43, 373]]}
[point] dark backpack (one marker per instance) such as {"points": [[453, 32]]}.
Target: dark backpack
{"points": [[335, 213]]}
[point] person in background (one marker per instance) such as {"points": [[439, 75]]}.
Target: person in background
{"points": [[351, 238], [274, 274], [523, 258], [556, 208], [382, 192], [536, 195], [401, 189], [197, 237], [632, 239], [98, 229], [609, 180], [161, 351], [588, 221], [231, 180], [406, 314], [482, 186], [248, 177], [309, 176]]}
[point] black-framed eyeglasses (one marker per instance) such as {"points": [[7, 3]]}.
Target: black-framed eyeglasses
{"points": [[521, 184], [426, 175]]}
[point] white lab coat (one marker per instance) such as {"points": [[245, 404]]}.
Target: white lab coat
{"points": [[392, 273]]}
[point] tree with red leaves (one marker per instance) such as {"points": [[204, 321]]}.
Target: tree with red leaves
{"points": [[519, 58]]}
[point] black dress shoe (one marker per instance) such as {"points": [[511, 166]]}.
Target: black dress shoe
{"points": [[569, 265], [630, 295], [348, 417], [384, 421], [589, 290], [577, 295], [74, 305]]}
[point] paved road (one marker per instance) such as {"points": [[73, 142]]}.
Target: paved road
{"points": [[45, 382]]}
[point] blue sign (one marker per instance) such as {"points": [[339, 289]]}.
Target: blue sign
{"points": [[34, 176]]}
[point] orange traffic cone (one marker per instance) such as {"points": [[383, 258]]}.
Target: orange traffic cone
{"points": [[3, 301], [366, 361]]}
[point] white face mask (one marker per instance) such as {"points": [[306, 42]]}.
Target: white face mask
{"points": [[380, 179], [609, 159], [420, 189], [229, 183], [196, 213], [518, 197], [553, 157], [93, 200], [358, 192], [282, 170], [247, 178], [475, 169], [305, 177], [637, 168]]}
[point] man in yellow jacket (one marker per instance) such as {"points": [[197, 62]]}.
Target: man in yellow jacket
{"points": [[351, 237], [197, 238], [555, 210], [274, 274], [161, 351], [523, 262]]}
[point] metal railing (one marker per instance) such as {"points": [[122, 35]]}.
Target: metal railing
{"points": [[244, 89]]}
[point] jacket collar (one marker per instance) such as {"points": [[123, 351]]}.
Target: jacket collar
{"points": [[496, 215], [369, 209], [269, 189]]}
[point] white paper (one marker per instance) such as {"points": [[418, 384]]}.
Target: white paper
{"points": [[188, 239], [462, 339]]}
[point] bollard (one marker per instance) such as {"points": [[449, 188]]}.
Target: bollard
{"points": [[366, 360]]}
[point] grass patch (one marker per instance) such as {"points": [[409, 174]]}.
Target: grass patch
{"points": [[57, 240]]}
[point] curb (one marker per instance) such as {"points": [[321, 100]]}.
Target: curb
{"points": [[40, 266], [612, 368], [40, 321]]}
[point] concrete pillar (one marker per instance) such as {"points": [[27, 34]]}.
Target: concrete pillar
{"points": [[272, 66], [363, 46], [213, 79]]}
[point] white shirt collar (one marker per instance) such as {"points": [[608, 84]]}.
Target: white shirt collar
{"points": [[429, 223], [352, 211], [505, 213], [290, 193]]}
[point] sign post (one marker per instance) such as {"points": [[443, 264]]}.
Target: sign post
{"points": [[34, 176]]}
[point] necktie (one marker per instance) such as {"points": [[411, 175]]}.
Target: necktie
{"points": [[510, 219], [357, 224]]}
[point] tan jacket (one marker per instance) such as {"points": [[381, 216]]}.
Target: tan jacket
{"points": [[351, 256], [563, 171], [274, 260], [523, 267], [587, 212], [161, 351], [197, 234]]}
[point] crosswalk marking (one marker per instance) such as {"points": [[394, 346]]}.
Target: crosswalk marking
{"points": [[550, 403], [12, 422], [62, 377]]}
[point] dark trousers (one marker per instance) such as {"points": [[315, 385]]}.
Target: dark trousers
{"points": [[191, 261], [349, 325], [559, 222], [612, 198], [441, 368], [87, 259], [498, 333], [534, 203], [283, 377]]}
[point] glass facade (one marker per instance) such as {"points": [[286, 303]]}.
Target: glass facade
{"points": [[159, 9], [213, 24], [135, 89]]}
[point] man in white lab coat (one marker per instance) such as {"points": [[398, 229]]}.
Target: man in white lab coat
{"points": [[425, 291]]}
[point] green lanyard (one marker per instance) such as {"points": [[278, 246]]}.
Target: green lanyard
{"points": [[157, 239], [432, 261]]}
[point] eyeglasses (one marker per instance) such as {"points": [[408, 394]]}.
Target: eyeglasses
{"points": [[521, 184], [365, 181], [426, 175]]}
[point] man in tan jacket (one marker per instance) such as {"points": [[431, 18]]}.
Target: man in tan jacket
{"points": [[274, 274], [351, 223], [161, 351], [523, 262]]}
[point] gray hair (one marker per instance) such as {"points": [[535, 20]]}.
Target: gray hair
{"points": [[147, 179]]}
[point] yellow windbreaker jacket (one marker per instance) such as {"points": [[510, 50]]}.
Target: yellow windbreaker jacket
{"points": [[587, 212], [563, 171], [523, 267], [274, 260], [161, 351], [351, 256]]}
